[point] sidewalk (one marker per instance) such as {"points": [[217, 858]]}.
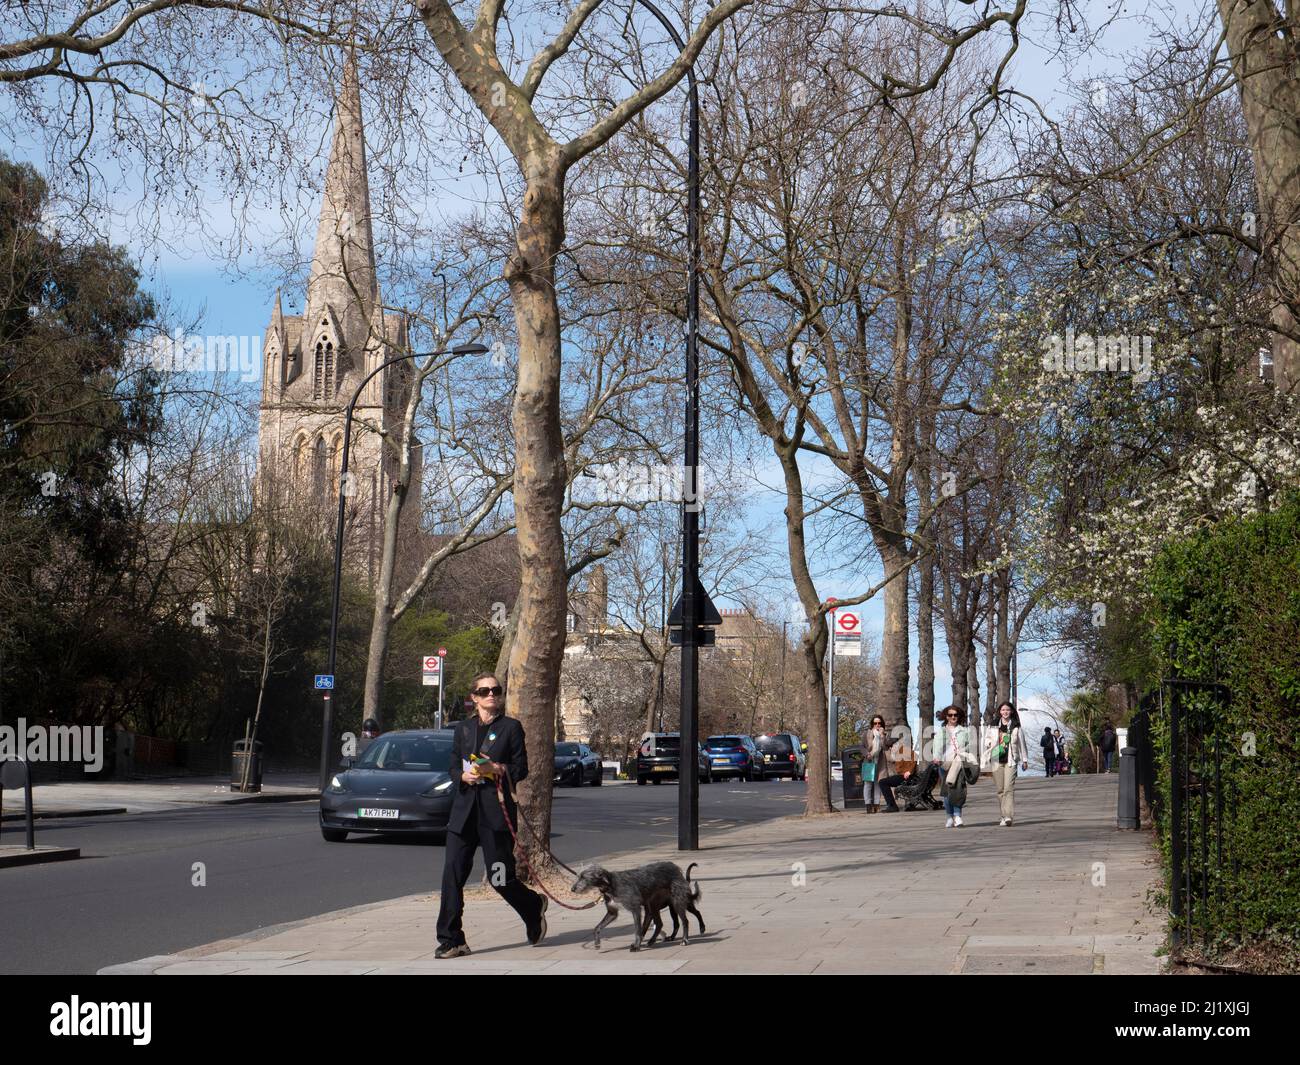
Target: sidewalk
{"points": [[74, 799], [849, 893]]}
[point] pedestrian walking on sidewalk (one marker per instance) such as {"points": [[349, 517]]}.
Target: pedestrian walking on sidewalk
{"points": [[874, 767], [477, 819], [1062, 756], [953, 752], [1048, 743], [1108, 738], [1004, 749]]}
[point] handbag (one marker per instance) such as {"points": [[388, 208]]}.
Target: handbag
{"points": [[868, 772]]}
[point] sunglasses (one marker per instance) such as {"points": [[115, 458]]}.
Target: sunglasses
{"points": [[483, 693], [952, 717]]}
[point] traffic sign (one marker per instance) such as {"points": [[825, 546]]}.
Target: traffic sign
{"points": [[442, 652], [431, 667], [847, 628], [324, 681]]}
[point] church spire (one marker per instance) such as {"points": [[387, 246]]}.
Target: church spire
{"points": [[277, 324], [343, 265]]}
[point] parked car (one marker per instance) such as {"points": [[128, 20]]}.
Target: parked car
{"points": [[734, 754], [576, 764], [401, 784], [783, 755], [659, 758]]}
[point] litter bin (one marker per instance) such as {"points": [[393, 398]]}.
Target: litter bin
{"points": [[238, 757], [851, 757]]}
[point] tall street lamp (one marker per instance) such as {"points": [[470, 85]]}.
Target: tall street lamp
{"points": [[327, 730], [692, 609]]}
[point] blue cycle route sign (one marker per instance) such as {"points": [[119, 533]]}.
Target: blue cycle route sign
{"points": [[324, 680]]}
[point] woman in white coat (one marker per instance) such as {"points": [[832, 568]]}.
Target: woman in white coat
{"points": [[1004, 749]]}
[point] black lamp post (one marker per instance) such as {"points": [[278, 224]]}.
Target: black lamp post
{"points": [[328, 723], [688, 793]]}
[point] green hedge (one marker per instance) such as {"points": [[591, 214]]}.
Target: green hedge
{"points": [[1227, 609]]}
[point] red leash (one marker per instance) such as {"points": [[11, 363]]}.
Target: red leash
{"points": [[523, 854]]}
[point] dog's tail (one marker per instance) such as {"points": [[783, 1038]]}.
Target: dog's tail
{"points": [[696, 892]]}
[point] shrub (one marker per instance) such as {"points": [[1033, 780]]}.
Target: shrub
{"points": [[1226, 609]]}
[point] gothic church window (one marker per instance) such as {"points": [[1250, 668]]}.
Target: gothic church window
{"points": [[300, 459], [336, 459], [324, 383], [318, 465]]}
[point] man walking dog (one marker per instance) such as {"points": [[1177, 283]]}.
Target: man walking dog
{"points": [[477, 821]]}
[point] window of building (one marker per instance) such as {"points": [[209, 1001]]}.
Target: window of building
{"points": [[324, 384], [318, 465]]}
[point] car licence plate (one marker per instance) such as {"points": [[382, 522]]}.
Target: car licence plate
{"points": [[771, 757], [375, 812], [721, 761], [663, 769]]}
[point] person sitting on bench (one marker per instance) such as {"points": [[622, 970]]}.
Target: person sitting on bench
{"points": [[917, 783]]}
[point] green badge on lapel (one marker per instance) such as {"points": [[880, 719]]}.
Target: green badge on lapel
{"points": [[491, 737]]}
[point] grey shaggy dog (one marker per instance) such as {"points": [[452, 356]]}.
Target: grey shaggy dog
{"points": [[644, 892]]}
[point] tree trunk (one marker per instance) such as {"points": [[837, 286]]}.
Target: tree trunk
{"points": [[957, 638], [1005, 648], [813, 647], [1265, 66], [895, 665], [381, 627], [925, 641], [890, 534], [991, 659], [540, 477], [508, 642]]}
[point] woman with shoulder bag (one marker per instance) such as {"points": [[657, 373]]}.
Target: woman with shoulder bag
{"points": [[952, 751], [1004, 749], [873, 762]]}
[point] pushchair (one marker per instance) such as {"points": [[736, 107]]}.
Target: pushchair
{"points": [[915, 793]]}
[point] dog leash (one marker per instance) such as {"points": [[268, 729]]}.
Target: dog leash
{"points": [[523, 854]]}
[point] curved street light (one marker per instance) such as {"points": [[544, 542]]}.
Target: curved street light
{"points": [[328, 713]]}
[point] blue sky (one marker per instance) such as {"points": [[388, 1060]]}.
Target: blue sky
{"points": [[238, 302]]}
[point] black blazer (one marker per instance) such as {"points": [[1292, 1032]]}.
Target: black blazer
{"points": [[508, 749]]}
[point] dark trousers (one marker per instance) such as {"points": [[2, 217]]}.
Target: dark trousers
{"points": [[887, 786], [1051, 765], [499, 858]]}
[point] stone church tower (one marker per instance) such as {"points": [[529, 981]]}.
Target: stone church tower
{"points": [[313, 363]]}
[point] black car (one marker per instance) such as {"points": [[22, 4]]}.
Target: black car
{"points": [[734, 754], [576, 764], [401, 784], [783, 755], [660, 758]]}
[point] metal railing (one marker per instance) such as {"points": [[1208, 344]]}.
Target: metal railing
{"points": [[1202, 795]]}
